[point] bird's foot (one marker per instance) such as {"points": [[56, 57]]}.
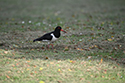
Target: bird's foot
{"points": [[48, 46]]}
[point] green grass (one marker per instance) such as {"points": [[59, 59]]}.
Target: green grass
{"points": [[49, 69], [92, 51]]}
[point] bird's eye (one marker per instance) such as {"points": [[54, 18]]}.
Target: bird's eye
{"points": [[58, 27]]}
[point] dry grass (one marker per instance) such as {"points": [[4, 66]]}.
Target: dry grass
{"points": [[80, 70]]}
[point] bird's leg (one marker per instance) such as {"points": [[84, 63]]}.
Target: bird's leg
{"points": [[48, 45], [52, 46]]}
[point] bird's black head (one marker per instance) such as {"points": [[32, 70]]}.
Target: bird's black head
{"points": [[58, 29]]}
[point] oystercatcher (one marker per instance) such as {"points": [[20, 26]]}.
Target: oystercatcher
{"points": [[52, 36]]}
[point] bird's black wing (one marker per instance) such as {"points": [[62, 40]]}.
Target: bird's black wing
{"points": [[47, 36], [44, 37]]}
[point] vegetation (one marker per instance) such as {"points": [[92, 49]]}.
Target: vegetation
{"points": [[92, 51]]}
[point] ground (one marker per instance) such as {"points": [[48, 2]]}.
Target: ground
{"points": [[92, 50]]}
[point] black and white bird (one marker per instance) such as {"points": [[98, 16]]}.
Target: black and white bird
{"points": [[52, 36]]}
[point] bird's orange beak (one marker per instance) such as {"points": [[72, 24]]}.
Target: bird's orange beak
{"points": [[63, 30]]}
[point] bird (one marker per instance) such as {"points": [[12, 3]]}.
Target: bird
{"points": [[51, 36]]}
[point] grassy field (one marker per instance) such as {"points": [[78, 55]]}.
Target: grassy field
{"points": [[93, 50]]}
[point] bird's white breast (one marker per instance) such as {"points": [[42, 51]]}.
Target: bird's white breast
{"points": [[53, 37]]}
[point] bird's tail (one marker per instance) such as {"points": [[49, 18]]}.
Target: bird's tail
{"points": [[35, 40], [38, 39]]}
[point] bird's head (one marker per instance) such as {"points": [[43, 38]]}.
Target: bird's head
{"points": [[58, 28]]}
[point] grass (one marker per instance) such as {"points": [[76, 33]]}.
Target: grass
{"points": [[48, 69], [92, 51]]}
